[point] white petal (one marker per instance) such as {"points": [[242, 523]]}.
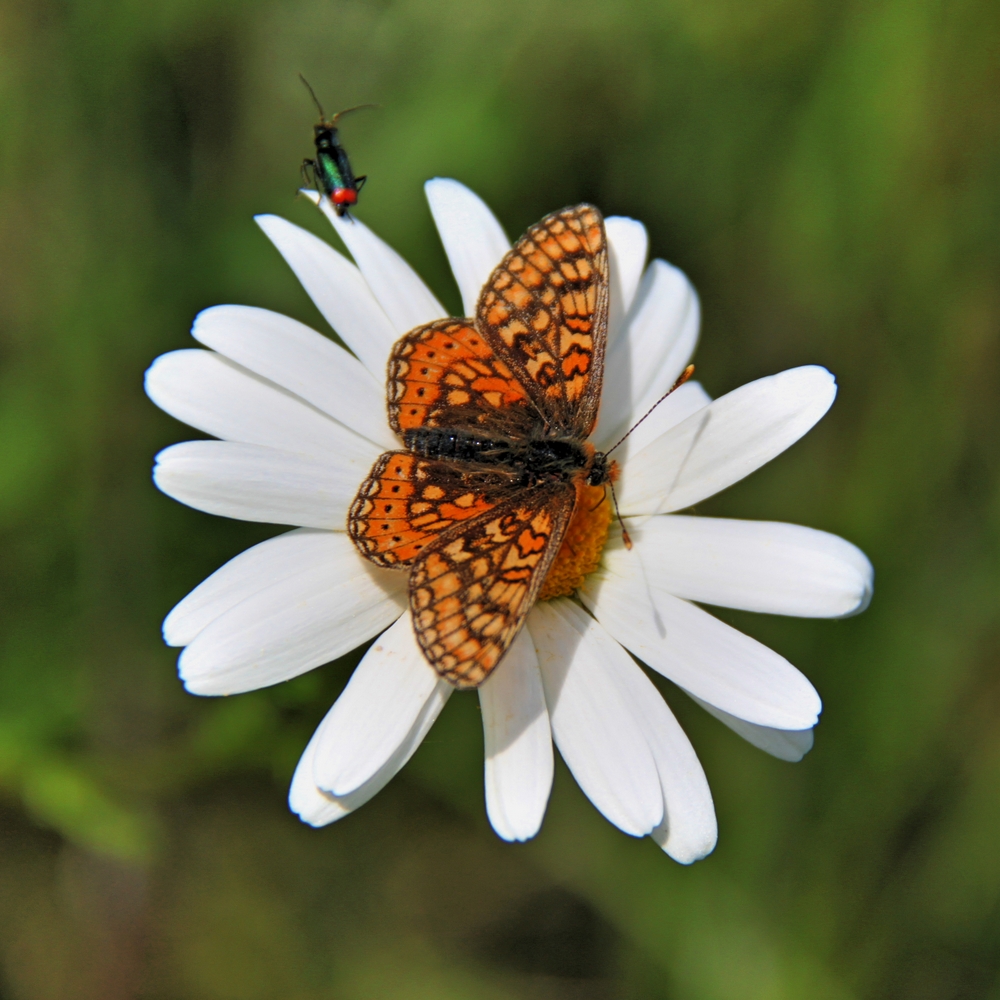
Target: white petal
{"points": [[518, 740], [785, 744], [299, 359], [727, 440], [253, 570], [318, 808], [689, 829], [253, 483], [700, 653], [660, 334], [628, 244], [219, 397], [473, 239], [400, 291], [340, 292], [295, 624], [780, 569], [388, 693], [315, 807], [592, 721]]}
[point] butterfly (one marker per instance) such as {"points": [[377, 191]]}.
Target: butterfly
{"points": [[494, 413]]}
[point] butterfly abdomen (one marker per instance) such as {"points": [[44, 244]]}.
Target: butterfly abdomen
{"points": [[536, 459], [459, 446]]}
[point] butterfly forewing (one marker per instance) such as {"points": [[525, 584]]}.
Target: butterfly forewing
{"points": [[471, 591], [447, 374], [407, 502], [544, 310]]}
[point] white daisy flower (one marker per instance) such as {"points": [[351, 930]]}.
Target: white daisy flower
{"points": [[300, 421]]}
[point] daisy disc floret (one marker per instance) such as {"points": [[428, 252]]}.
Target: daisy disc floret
{"points": [[300, 421]]}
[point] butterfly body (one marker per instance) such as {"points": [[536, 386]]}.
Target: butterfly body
{"points": [[534, 461], [494, 413]]}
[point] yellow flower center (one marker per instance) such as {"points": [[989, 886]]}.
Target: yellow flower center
{"points": [[581, 549]]}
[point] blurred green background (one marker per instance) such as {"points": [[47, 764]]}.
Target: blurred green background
{"points": [[828, 174]]}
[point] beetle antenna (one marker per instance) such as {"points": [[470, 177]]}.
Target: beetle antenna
{"points": [[322, 114], [347, 111], [684, 376]]}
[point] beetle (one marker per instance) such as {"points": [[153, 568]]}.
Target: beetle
{"points": [[331, 170]]}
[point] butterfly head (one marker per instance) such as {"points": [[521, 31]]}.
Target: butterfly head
{"points": [[600, 471]]}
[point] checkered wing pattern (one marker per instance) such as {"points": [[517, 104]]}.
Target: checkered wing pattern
{"points": [[407, 502], [471, 592], [447, 374], [544, 311]]}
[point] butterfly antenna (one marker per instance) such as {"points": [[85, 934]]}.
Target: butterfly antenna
{"points": [[626, 537], [684, 376], [347, 111], [322, 113]]}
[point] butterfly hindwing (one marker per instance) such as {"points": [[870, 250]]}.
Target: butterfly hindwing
{"points": [[544, 310], [472, 588]]}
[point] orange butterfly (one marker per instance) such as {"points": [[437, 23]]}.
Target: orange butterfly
{"points": [[494, 414]]}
